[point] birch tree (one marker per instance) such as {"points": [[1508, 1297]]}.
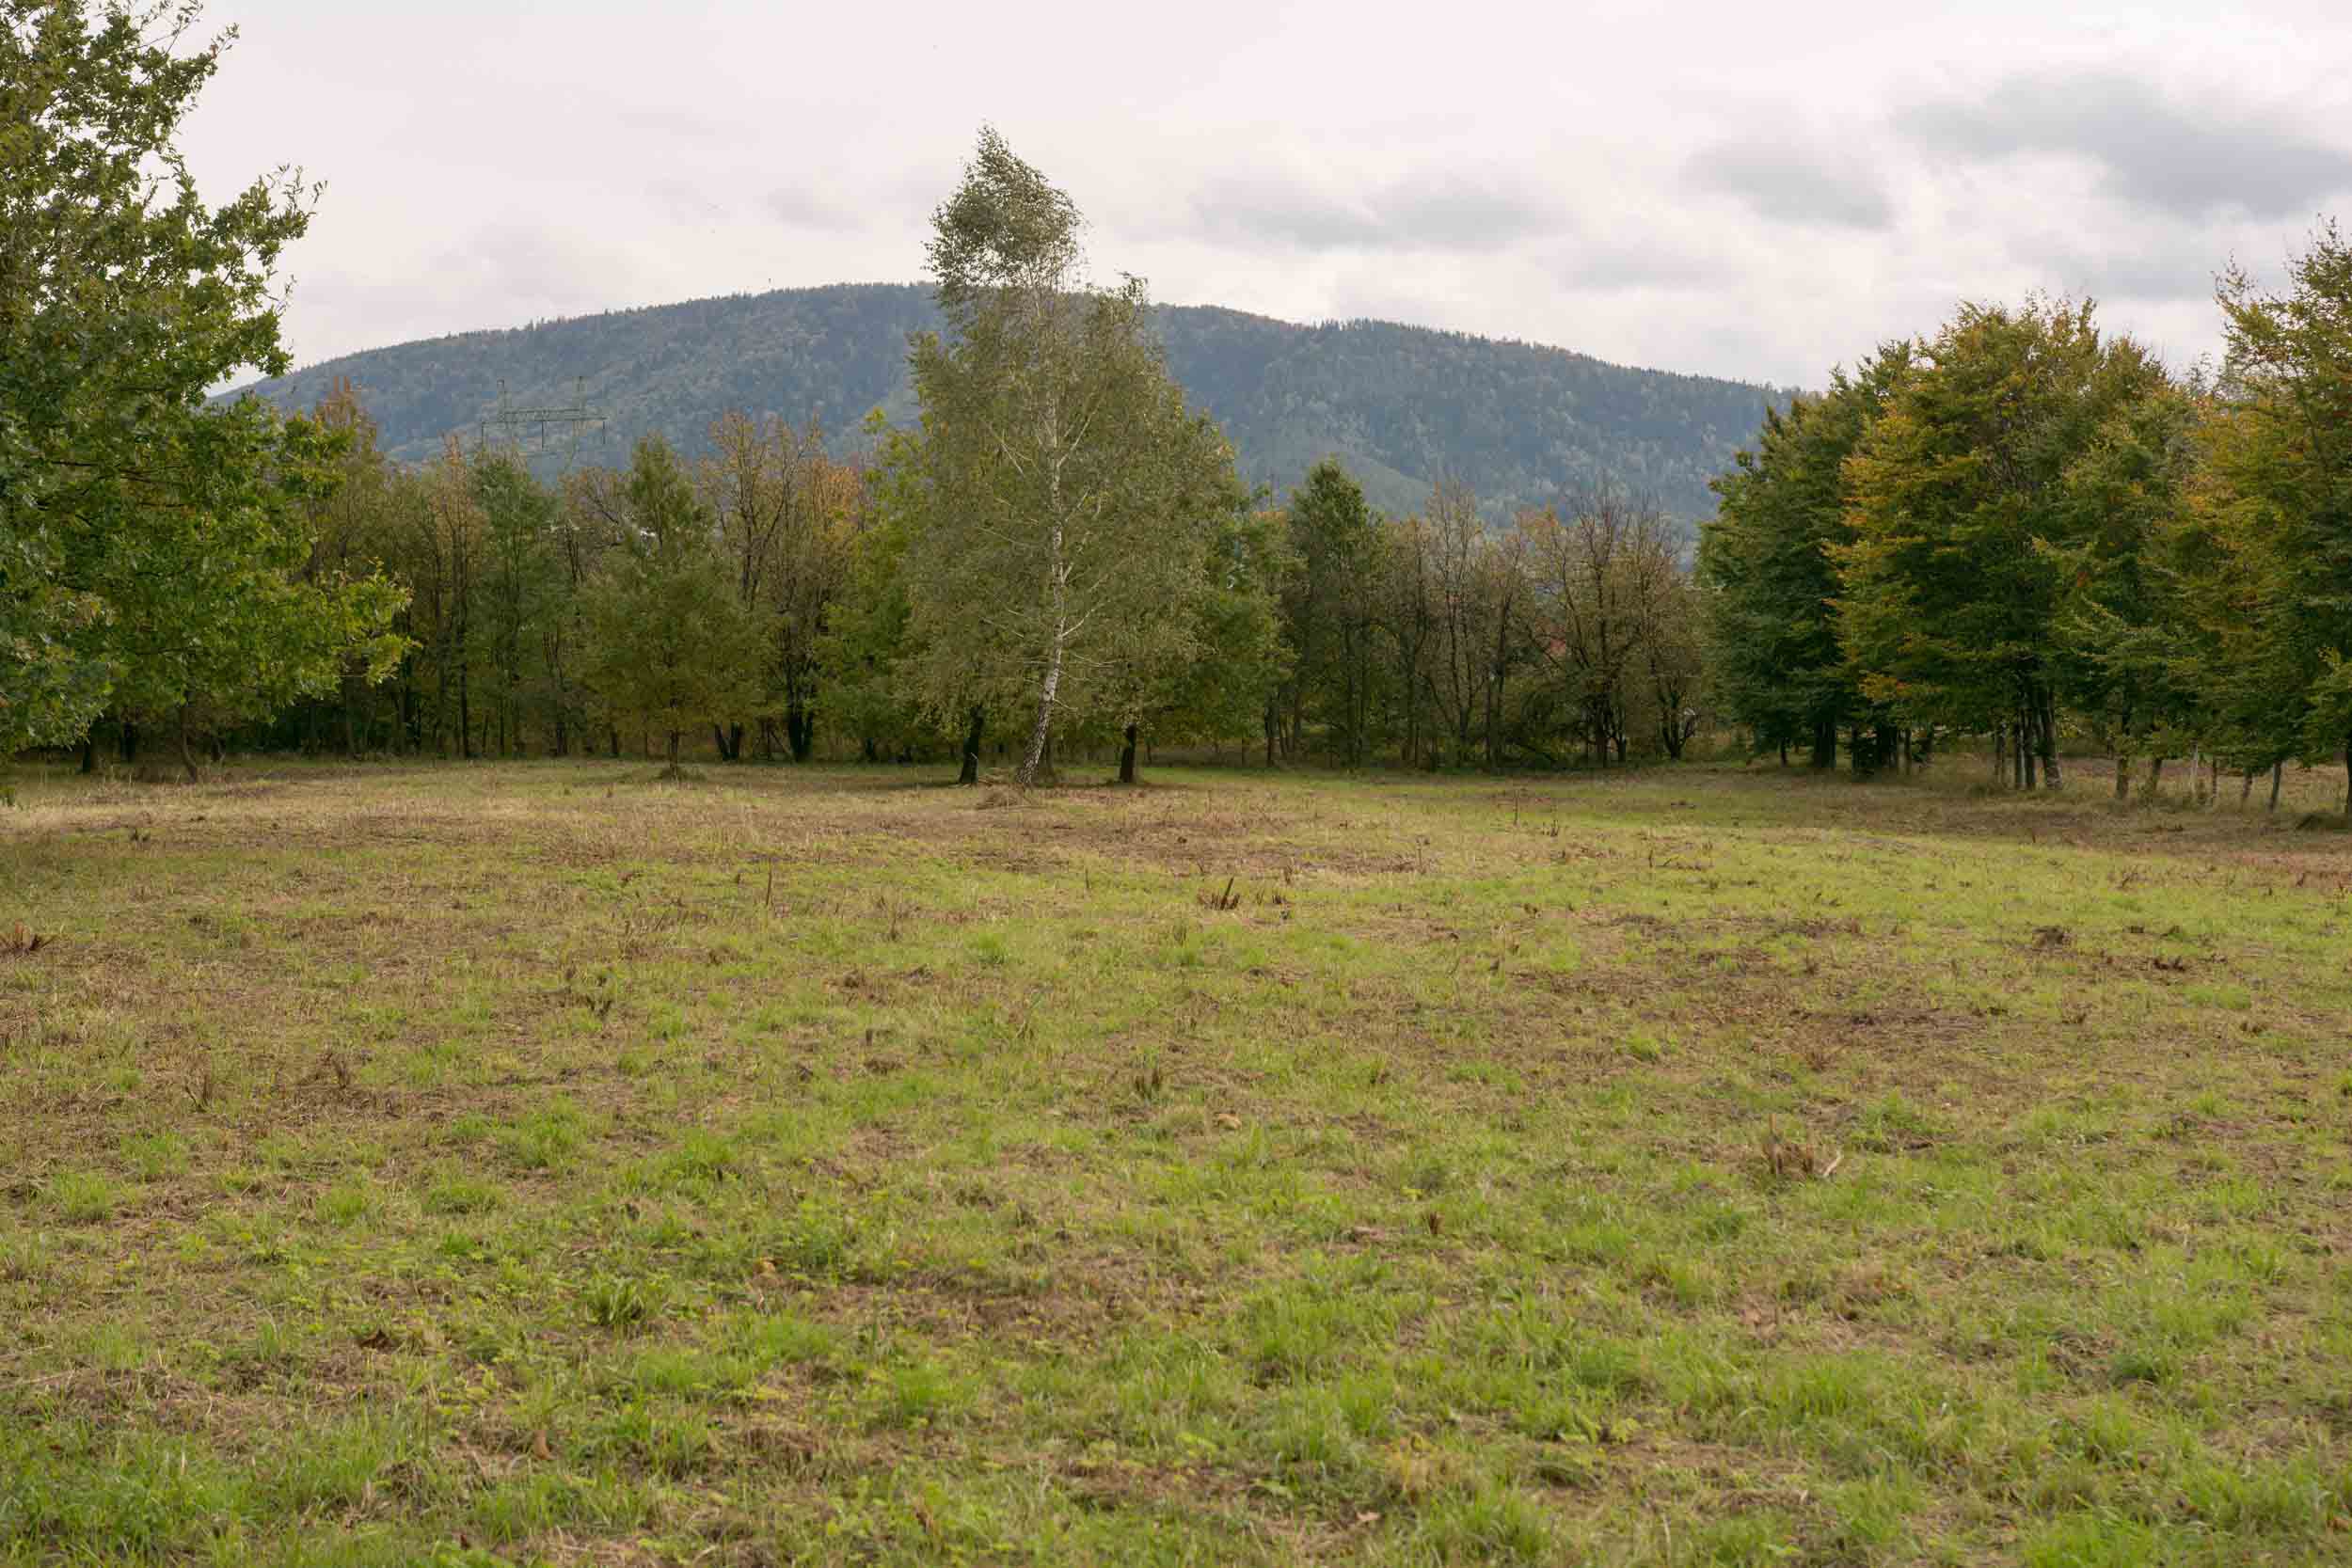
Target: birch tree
{"points": [[1066, 498]]}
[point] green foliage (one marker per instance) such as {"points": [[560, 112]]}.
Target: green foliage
{"points": [[1330, 603], [2132, 660], [1771, 582], [1066, 502], [1228, 690], [1948, 606], [2021, 526], [2279, 504], [674, 646], [154, 553], [868, 629]]}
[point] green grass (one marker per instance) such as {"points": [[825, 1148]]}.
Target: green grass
{"points": [[537, 1163]]}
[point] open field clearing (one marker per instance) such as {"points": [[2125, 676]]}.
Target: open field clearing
{"points": [[537, 1163]]}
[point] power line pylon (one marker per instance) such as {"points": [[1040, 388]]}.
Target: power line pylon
{"points": [[510, 425]]}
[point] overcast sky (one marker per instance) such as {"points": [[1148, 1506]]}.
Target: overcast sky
{"points": [[1736, 189]]}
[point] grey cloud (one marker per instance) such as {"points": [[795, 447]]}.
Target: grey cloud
{"points": [[799, 207], [1609, 265], [1425, 211], [1459, 214], [2153, 152], [2183, 270], [1793, 184], [1249, 209]]}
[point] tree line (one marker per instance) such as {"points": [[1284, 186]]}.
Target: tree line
{"points": [[754, 602], [2026, 530], [2019, 528], [1056, 552]]}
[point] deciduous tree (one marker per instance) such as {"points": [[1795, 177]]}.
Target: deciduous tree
{"points": [[153, 549], [1066, 495]]}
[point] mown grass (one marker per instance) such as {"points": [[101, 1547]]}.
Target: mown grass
{"points": [[537, 1163]]}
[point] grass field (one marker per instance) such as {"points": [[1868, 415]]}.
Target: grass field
{"points": [[538, 1163]]}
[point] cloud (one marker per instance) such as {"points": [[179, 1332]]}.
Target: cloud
{"points": [[2153, 152], [1606, 263], [2180, 270], [799, 207], [1426, 209], [1793, 184]]}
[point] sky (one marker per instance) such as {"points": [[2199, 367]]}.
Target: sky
{"points": [[1732, 189]]}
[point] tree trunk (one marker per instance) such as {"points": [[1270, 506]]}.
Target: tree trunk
{"points": [[719, 738], [1825, 744], [673, 740], [2245, 790], [1026, 775], [799, 732], [2347, 775], [2278, 777], [188, 748], [89, 751], [1127, 758], [2155, 776], [2122, 775], [971, 771]]}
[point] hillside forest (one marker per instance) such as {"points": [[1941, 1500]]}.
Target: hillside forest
{"points": [[1400, 406], [2016, 528]]}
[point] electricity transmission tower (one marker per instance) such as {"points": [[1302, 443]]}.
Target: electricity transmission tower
{"points": [[548, 428]]}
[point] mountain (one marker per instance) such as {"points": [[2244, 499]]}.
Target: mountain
{"points": [[1400, 406]]}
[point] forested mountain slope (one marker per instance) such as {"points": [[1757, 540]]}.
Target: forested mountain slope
{"points": [[1399, 404]]}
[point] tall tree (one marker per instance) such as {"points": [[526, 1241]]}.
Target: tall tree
{"points": [[1069, 495], [521, 587], [1330, 604], [1949, 604], [674, 646], [1456, 671], [152, 550], [1764, 564], [1222, 691], [2134, 658], [2279, 503]]}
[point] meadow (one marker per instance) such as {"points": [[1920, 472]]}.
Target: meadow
{"points": [[538, 1163]]}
